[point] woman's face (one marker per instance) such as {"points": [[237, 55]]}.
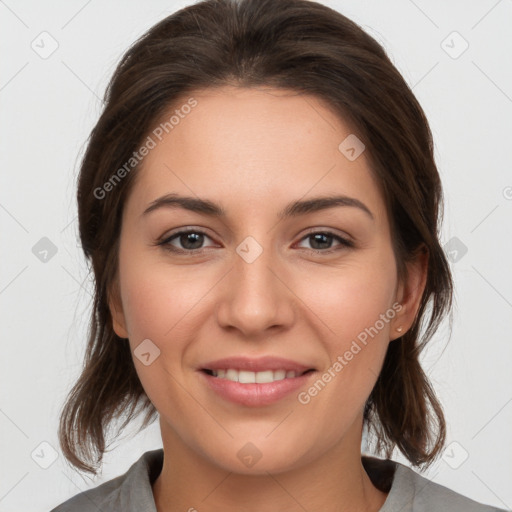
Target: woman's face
{"points": [[256, 285]]}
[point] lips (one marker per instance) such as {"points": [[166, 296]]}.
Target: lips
{"points": [[255, 382]]}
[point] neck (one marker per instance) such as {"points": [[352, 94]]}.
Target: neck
{"points": [[334, 482]]}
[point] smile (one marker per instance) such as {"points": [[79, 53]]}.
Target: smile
{"points": [[248, 377]]}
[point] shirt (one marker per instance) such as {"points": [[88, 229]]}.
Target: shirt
{"points": [[408, 491]]}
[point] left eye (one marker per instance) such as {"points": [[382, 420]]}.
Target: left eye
{"points": [[326, 237], [192, 241]]}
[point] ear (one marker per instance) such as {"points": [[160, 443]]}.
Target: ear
{"points": [[409, 292], [116, 311]]}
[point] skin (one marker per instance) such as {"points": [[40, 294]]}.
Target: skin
{"points": [[253, 151]]}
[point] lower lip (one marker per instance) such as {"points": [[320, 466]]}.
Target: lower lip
{"points": [[255, 395]]}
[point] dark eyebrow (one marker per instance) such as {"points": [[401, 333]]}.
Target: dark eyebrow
{"points": [[293, 209], [322, 203]]}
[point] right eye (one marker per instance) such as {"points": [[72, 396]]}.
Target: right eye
{"points": [[190, 240]]}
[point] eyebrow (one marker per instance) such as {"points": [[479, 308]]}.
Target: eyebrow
{"points": [[293, 209]]}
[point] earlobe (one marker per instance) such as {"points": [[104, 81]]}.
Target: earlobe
{"points": [[410, 292], [116, 312]]}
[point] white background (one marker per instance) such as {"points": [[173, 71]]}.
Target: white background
{"points": [[48, 107]]}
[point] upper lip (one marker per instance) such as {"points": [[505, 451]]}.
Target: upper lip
{"points": [[259, 364]]}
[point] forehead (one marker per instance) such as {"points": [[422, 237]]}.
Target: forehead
{"points": [[252, 147]]}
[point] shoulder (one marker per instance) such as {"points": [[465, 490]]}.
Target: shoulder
{"points": [[425, 495], [104, 497], [128, 492], [411, 492]]}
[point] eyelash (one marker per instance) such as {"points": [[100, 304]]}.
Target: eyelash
{"points": [[165, 243]]}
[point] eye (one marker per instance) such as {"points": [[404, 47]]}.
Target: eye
{"points": [[323, 240], [190, 241]]}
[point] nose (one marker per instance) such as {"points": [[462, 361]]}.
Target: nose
{"points": [[254, 297]]}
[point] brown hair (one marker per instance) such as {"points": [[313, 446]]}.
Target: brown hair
{"points": [[296, 45]]}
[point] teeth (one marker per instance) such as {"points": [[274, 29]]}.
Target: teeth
{"points": [[232, 375], [264, 377], [247, 377], [280, 374]]}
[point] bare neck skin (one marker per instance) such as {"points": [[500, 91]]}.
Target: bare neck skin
{"points": [[335, 482]]}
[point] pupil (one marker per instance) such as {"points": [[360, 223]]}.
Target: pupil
{"points": [[317, 238], [193, 237]]}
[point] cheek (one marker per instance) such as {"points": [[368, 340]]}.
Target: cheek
{"points": [[155, 295], [161, 302], [356, 310], [158, 305], [352, 297]]}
